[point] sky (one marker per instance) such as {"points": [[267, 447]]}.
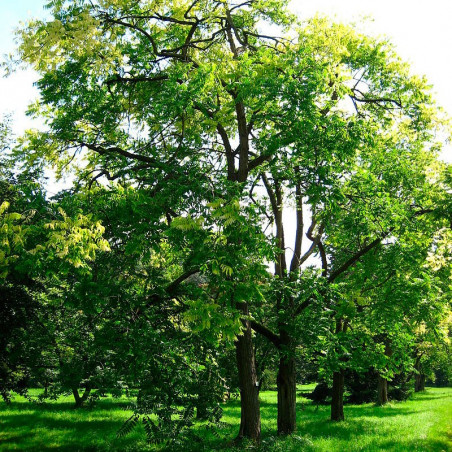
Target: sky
{"points": [[17, 91], [421, 31]]}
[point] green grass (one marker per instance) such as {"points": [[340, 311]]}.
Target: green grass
{"points": [[420, 424]]}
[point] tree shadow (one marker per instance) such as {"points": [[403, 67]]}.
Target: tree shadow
{"points": [[61, 426], [422, 397]]}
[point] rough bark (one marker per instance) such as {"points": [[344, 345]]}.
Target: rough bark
{"points": [[419, 378], [337, 401], [419, 382], [250, 423], [286, 382], [382, 390]]}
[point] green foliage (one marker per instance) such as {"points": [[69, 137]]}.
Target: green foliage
{"points": [[168, 115]]}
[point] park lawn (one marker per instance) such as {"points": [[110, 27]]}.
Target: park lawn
{"points": [[423, 423]]}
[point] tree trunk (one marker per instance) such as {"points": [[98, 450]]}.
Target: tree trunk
{"points": [[382, 391], [250, 424], [286, 381], [419, 378], [337, 402], [201, 413], [201, 409], [202, 401], [422, 383], [79, 401], [419, 382]]}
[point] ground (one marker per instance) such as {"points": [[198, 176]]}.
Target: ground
{"points": [[422, 423]]}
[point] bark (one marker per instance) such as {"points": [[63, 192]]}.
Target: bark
{"points": [[337, 402], [201, 412], [201, 404], [419, 382], [419, 378], [80, 400], [286, 395], [382, 391], [250, 423]]}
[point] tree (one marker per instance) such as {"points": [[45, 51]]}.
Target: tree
{"points": [[43, 250], [175, 47], [362, 185]]}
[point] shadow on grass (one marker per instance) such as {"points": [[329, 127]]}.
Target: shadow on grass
{"points": [[41, 420], [425, 397], [420, 445], [58, 425]]}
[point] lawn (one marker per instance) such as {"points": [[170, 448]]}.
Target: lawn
{"points": [[423, 423]]}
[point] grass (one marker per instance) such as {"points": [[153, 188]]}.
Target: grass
{"points": [[422, 423]]}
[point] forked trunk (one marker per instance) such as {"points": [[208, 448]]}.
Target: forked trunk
{"points": [[80, 400], [250, 424], [382, 390], [337, 401]]}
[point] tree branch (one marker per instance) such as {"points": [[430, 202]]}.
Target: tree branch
{"points": [[116, 150], [171, 288], [357, 256], [267, 333]]}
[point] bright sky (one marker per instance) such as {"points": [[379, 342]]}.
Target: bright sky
{"points": [[17, 91], [420, 29]]}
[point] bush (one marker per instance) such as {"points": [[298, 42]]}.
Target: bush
{"points": [[320, 394]]}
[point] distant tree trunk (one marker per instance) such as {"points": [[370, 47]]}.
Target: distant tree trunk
{"points": [[201, 409], [419, 382], [337, 401], [250, 423], [202, 400], [201, 413], [286, 382], [382, 390], [422, 383], [79, 401], [419, 378]]}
